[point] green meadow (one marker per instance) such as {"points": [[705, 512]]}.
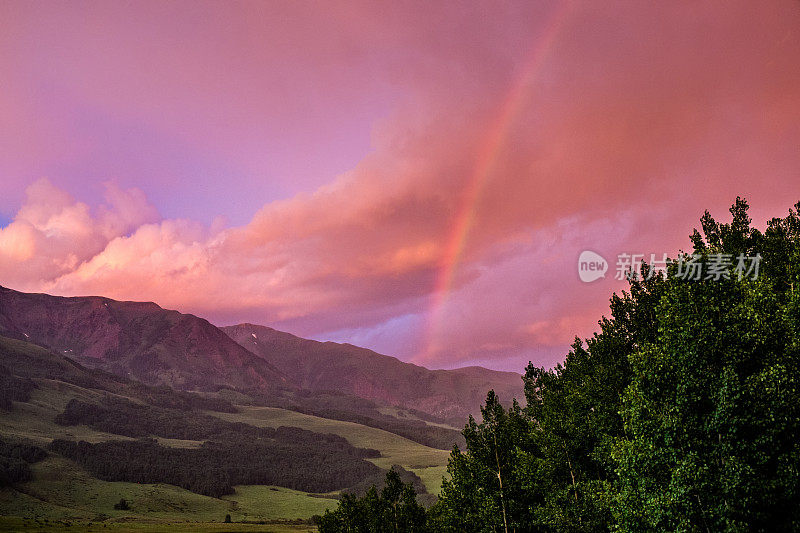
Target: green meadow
{"points": [[62, 493], [428, 463]]}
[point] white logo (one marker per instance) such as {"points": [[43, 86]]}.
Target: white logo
{"points": [[591, 266]]}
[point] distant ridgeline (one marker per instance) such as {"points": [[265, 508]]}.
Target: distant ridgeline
{"points": [[143, 342]]}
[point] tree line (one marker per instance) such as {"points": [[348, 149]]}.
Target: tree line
{"points": [[124, 417], [394, 508], [233, 453], [14, 461], [13, 389], [216, 466], [340, 406]]}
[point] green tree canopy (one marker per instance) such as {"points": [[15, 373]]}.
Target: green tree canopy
{"points": [[682, 413]]}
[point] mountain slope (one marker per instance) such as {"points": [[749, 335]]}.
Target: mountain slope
{"points": [[137, 340], [448, 394], [118, 417], [155, 346]]}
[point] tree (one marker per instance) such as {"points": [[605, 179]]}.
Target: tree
{"points": [[553, 456], [682, 413], [484, 492], [394, 510], [712, 414], [122, 505]]}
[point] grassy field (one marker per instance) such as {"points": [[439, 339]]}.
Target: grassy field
{"points": [[17, 524], [394, 449], [400, 413], [259, 502], [428, 463], [33, 420], [62, 492], [431, 476]]}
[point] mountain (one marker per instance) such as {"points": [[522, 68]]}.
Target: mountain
{"points": [[447, 394], [142, 341], [23, 365], [124, 418], [136, 340], [204, 421], [75, 441]]}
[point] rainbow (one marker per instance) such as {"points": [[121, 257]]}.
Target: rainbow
{"points": [[484, 162]]}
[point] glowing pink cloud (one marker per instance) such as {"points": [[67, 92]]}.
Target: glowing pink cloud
{"points": [[416, 179]]}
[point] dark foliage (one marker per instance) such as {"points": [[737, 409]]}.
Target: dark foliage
{"points": [[339, 406], [379, 482], [14, 460], [311, 465], [123, 417], [681, 414], [392, 509], [13, 471], [24, 452], [122, 505], [13, 389], [181, 400]]}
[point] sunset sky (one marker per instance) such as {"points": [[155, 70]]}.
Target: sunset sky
{"points": [[418, 178]]}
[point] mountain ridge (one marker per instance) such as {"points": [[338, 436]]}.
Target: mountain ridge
{"points": [[319, 365], [136, 339], [157, 346]]}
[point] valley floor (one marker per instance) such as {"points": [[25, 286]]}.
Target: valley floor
{"points": [[63, 493], [16, 524]]}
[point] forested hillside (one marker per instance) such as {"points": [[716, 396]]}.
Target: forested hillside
{"points": [[682, 413], [109, 437]]}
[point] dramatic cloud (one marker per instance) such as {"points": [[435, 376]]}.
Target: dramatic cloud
{"points": [[52, 235], [416, 179]]}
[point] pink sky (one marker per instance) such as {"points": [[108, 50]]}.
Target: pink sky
{"points": [[416, 178]]}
